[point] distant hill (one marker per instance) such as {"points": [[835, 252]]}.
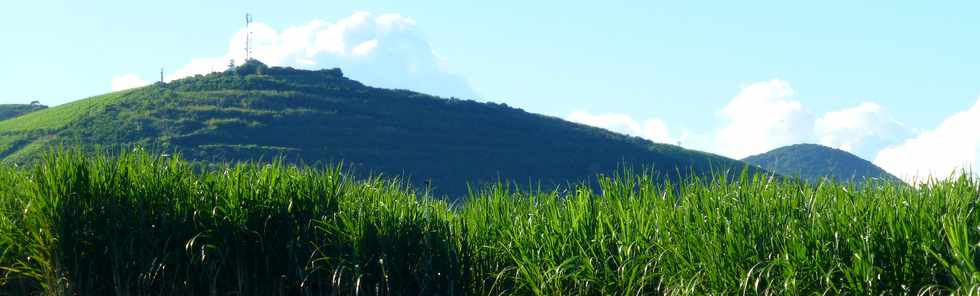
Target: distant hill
{"points": [[813, 162], [8, 111], [257, 112]]}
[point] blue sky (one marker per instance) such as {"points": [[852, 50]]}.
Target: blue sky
{"points": [[885, 79]]}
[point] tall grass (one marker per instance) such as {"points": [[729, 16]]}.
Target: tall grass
{"points": [[144, 225], [139, 225]]}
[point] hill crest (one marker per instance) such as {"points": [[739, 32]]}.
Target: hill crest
{"points": [[257, 112], [814, 162]]}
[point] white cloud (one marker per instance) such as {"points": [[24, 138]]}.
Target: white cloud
{"points": [[651, 129], [864, 129], [365, 48], [127, 81], [384, 50], [940, 152], [762, 117]]}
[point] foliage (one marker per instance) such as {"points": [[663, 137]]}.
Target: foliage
{"points": [[815, 162], [256, 112], [8, 111], [139, 225], [148, 225], [51, 119]]}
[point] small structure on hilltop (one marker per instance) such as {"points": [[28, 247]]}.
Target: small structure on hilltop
{"points": [[248, 37]]}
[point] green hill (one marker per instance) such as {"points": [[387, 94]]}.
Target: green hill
{"points": [[256, 112], [8, 111], [813, 162]]}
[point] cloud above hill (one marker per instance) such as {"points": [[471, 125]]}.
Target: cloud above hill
{"points": [[386, 50], [864, 129], [951, 146], [766, 115], [651, 129], [127, 81], [762, 116]]}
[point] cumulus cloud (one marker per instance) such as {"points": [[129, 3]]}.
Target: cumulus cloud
{"points": [[864, 129], [761, 117], [765, 115], [386, 50], [939, 152], [127, 81], [651, 129]]}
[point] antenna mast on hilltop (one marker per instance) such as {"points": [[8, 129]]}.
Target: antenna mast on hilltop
{"points": [[248, 37]]}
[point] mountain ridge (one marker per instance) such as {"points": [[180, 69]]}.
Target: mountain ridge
{"points": [[259, 112]]}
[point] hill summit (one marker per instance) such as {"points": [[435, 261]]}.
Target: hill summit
{"points": [[814, 162], [256, 112]]}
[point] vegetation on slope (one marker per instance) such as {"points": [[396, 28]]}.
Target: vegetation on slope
{"points": [[146, 225], [23, 137], [13, 110], [256, 112], [814, 162]]}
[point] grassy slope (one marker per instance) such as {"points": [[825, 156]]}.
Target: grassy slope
{"points": [[60, 116], [257, 112], [8, 111], [141, 225], [23, 136], [814, 162]]}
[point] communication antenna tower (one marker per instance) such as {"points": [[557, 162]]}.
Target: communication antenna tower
{"points": [[248, 37]]}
